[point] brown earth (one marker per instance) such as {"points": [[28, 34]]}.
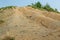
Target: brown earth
{"points": [[26, 23]]}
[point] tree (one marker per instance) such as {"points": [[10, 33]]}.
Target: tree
{"points": [[48, 8], [56, 10], [38, 4]]}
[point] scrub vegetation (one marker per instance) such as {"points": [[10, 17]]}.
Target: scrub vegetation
{"points": [[47, 7]]}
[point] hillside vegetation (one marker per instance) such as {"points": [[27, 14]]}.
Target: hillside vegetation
{"points": [[47, 7], [7, 7]]}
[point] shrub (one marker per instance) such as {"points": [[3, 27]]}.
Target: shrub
{"points": [[56, 10], [36, 5], [47, 7]]}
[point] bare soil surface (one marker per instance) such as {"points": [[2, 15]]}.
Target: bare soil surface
{"points": [[26, 23]]}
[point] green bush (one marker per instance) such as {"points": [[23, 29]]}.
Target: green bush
{"points": [[36, 5], [47, 7], [56, 10]]}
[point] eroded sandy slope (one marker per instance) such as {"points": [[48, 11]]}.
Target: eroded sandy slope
{"points": [[30, 24]]}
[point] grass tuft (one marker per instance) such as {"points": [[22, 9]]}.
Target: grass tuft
{"points": [[1, 21], [8, 38]]}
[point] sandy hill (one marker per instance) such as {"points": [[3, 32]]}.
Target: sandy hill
{"points": [[26, 23]]}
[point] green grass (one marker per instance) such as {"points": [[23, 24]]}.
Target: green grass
{"points": [[7, 7]]}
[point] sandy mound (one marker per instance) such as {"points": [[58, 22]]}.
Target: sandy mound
{"points": [[27, 23]]}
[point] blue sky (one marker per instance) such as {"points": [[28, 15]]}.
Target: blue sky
{"points": [[52, 3]]}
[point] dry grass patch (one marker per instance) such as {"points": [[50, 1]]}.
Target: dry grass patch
{"points": [[1, 21], [8, 38]]}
